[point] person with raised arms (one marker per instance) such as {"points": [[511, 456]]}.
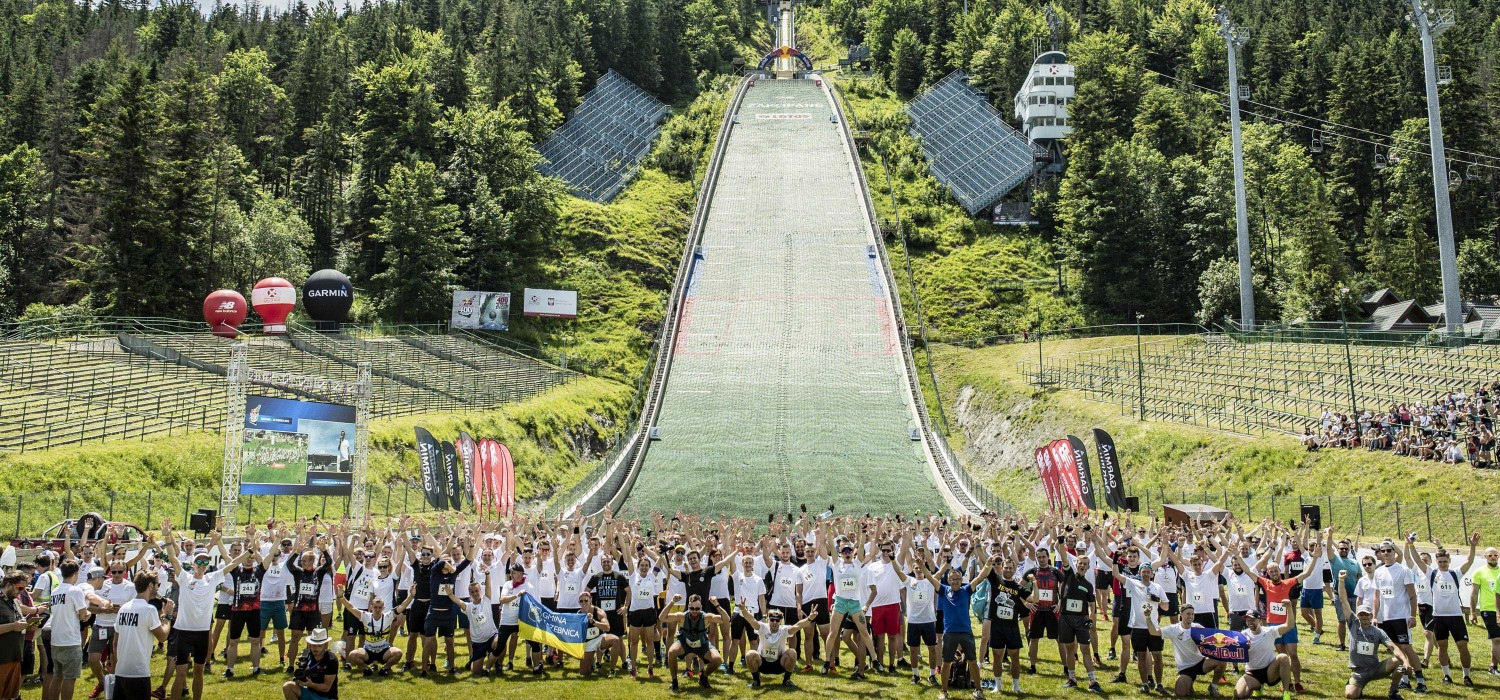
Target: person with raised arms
{"points": [[1447, 621]]}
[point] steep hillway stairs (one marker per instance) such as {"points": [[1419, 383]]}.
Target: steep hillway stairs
{"points": [[787, 380]]}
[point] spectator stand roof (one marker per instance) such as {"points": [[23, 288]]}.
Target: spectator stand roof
{"points": [[968, 145], [598, 148]]}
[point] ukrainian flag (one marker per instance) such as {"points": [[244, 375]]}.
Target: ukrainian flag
{"points": [[562, 631]]}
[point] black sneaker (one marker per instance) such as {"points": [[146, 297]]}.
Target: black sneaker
{"points": [[902, 663], [1146, 688], [857, 675], [1095, 687], [229, 673], [368, 672], [1119, 678], [703, 681], [916, 679], [877, 667], [1394, 695], [385, 671], [346, 666], [1070, 683], [1447, 679], [255, 670], [1031, 670], [675, 687], [1468, 681], [788, 684]]}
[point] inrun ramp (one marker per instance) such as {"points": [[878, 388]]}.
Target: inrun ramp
{"points": [[787, 383]]}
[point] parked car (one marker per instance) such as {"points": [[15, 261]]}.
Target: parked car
{"points": [[87, 529]]}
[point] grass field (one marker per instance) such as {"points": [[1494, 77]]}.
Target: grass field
{"points": [[1324, 674], [997, 418]]}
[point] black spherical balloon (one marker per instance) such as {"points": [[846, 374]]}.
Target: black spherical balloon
{"points": [[327, 295]]}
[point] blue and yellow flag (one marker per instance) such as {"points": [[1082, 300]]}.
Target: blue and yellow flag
{"points": [[562, 631]]}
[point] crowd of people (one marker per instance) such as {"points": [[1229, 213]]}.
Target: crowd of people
{"points": [[1458, 427], [960, 604]]}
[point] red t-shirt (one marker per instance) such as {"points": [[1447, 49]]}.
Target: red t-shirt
{"points": [[1276, 610]]}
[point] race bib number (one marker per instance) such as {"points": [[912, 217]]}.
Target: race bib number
{"points": [[247, 588], [1239, 589], [1446, 586], [571, 589], [1044, 595], [445, 589], [102, 633], [1296, 566], [1197, 598], [1278, 608], [478, 618], [919, 596], [1074, 606], [846, 584], [1364, 648], [1005, 613], [1387, 591], [642, 594], [307, 589], [607, 605], [274, 572]]}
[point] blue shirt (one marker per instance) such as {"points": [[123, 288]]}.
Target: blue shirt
{"points": [[1349, 564], [954, 604]]}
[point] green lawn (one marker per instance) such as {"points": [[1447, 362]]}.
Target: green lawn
{"points": [[1324, 674]]}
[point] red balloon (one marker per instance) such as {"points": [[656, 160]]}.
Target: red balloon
{"points": [[225, 310], [274, 299]]}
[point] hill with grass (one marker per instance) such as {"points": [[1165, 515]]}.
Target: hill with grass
{"points": [[996, 419]]}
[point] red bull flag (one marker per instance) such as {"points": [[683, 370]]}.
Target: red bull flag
{"points": [[1223, 645]]}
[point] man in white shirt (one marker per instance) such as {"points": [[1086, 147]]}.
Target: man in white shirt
{"points": [[198, 592], [772, 654], [1396, 604], [70, 606], [1191, 663], [885, 609], [138, 628], [749, 601]]}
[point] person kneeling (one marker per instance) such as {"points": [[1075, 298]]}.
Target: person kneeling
{"points": [[772, 655], [316, 675], [1191, 663]]}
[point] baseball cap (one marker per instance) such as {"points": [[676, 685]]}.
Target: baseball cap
{"points": [[1365, 610], [1255, 615]]}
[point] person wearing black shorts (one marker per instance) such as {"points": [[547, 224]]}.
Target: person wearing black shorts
{"points": [[1075, 622], [244, 611], [1006, 598], [442, 614]]}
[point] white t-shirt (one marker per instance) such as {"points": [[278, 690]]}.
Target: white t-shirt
{"points": [[1390, 583], [510, 613], [772, 643], [117, 593], [849, 581], [747, 592], [643, 589], [784, 579], [377, 627], [274, 584], [920, 600], [1447, 600], [1262, 647], [1241, 587], [887, 585], [569, 585], [1184, 649], [133, 638], [67, 600], [481, 627], [1140, 601], [195, 600], [1201, 590], [815, 580]]}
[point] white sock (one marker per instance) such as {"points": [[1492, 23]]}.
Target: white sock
{"points": [[1091, 677], [1445, 669]]}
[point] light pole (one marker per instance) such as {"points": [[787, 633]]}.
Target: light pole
{"points": [[1234, 40], [1348, 356], [1140, 366], [1431, 23]]}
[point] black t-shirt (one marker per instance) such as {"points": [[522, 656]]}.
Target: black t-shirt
{"points": [[246, 585], [697, 582], [609, 590], [1076, 594], [320, 669], [441, 584], [1005, 599], [421, 580], [12, 644], [307, 587]]}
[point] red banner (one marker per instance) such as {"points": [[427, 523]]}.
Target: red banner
{"points": [[1066, 468], [1044, 470], [507, 468], [491, 461]]}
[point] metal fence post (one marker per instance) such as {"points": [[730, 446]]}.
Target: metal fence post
{"points": [[1361, 514], [1462, 514], [68, 505], [1273, 507], [1427, 506], [1330, 512], [111, 504], [1398, 518], [187, 506], [296, 507], [148, 510], [21, 500]]}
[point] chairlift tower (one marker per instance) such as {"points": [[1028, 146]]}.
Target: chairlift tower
{"points": [[1234, 40], [1431, 23]]}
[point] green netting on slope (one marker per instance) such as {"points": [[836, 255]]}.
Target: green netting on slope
{"points": [[786, 381]]}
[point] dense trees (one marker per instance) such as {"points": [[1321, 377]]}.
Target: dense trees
{"points": [[1145, 210], [151, 153]]}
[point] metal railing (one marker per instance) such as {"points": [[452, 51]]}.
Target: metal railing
{"points": [[1350, 515]]}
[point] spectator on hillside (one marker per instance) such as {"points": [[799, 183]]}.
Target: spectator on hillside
{"points": [[1309, 440]]}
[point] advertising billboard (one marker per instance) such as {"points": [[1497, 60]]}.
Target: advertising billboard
{"points": [[551, 303], [297, 447], [487, 311]]}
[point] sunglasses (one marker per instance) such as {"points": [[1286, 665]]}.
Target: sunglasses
{"points": [[117, 572], [383, 567], [695, 609]]}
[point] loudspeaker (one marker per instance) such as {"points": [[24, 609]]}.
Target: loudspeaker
{"points": [[1133, 504], [1313, 514], [203, 521]]}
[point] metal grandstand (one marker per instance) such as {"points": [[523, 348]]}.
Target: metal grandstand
{"points": [[968, 145], [597, 150]]}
